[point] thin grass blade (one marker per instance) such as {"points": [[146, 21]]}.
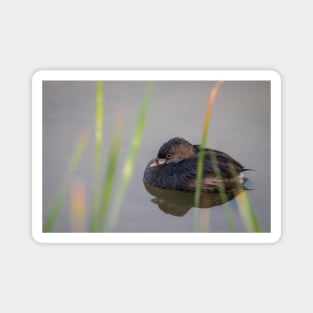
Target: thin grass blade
{"points": [[247, 213], [227, 210], [131, 156], [222, 192], [111, 168], [205, 128], [99, 108], [98, 137], [59, 199]]}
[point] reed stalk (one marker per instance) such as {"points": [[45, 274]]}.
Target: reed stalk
{"points": [[131, 156]]}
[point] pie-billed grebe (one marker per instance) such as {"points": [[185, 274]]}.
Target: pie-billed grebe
{"points": [[175, 168]]}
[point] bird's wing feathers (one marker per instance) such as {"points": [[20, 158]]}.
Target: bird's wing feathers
{"points": [[227, 167], [222, 158]]}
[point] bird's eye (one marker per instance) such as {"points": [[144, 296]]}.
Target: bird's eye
{"points": [[168, 156]]}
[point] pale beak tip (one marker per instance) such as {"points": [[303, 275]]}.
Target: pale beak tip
{"points": [[156, 162]]}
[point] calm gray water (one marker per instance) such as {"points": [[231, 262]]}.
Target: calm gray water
{"points": [[240, 126]]}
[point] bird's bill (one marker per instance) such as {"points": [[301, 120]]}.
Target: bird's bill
{"points": [[157, 162]]}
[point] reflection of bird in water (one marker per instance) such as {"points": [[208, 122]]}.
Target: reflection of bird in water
{"points": [[175, 168], [178, 203]]}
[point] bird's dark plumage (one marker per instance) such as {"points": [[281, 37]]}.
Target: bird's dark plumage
{"points": [[175, 168]]}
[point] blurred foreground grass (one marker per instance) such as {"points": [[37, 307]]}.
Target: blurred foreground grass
{"points": [[246, 210], [60, 196], [103, 191]]}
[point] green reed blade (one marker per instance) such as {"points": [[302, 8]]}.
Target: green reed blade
{"points": [[247, 213], [131, 156], [222, 192], [99, 108], [99, 111], [54, 212], [110, 171], [217, 172], [205, 128], [246, 210], [59, 199]]}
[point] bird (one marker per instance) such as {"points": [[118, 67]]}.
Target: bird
{"points": [[175, 168]]}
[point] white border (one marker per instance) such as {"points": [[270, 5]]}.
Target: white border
{"points": [[133, 75]]}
